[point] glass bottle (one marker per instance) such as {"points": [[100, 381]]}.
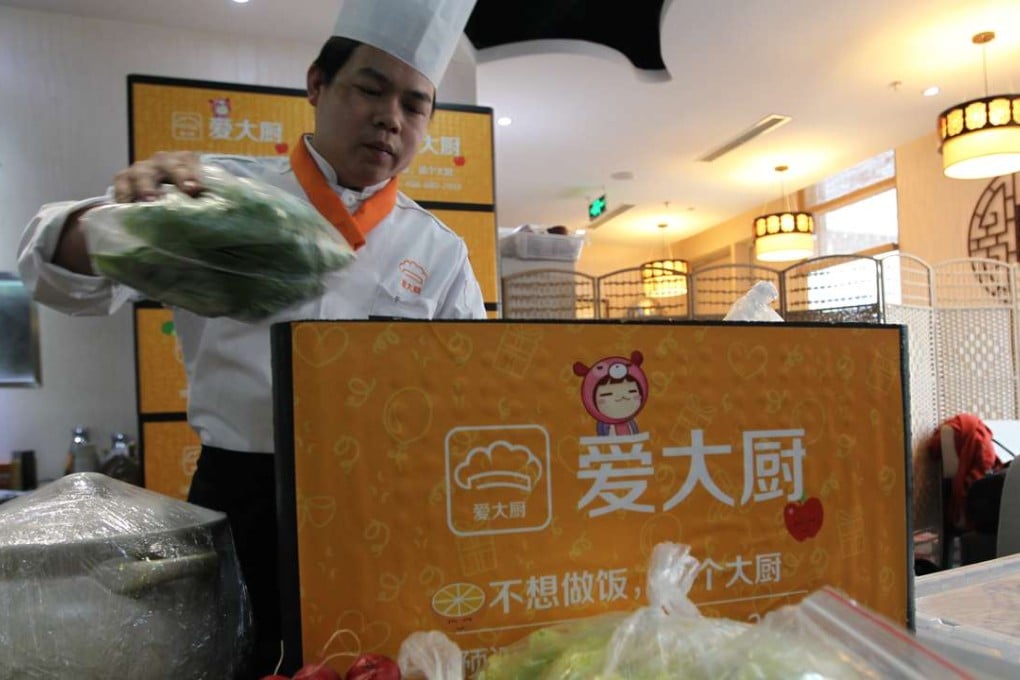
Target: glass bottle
{"points": [[81, 455]]}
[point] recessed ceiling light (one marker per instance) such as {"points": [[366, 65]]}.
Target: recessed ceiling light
{"points": [[240, 2], [931, 91], [504, 120]]}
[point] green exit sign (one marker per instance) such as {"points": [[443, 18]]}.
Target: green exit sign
{"points": [[597, 207]]}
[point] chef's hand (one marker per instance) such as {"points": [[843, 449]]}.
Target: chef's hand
{"points": [[141, 181]]}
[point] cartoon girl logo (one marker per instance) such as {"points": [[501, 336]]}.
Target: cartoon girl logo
{"points": [[614, 389], [220, 107]]}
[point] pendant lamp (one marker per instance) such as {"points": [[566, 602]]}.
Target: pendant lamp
{"points": [[784, 236], [980, 138], [664, 278]]}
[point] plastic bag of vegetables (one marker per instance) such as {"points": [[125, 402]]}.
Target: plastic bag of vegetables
{"points": [[241, 249], [575, 650], [666, 639], [827, 636], [431, 656]]}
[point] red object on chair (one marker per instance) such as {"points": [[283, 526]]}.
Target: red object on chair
{"points": [[976, 456]]}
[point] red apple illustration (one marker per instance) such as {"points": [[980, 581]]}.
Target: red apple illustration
{"points": [[803, 518], [459, 161], [282, 147]]}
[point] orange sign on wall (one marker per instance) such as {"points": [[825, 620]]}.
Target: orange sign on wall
{"points": [[478, 229], [162, 380], [454, 163], [487, 479], [171, 453], [453, 168], [170, 115]]}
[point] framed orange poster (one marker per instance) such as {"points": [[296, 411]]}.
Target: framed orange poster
{"points": [[172, 450], [454, 166], [488, 479], [455, 162], [162, 380], [478, 229], [451, 175]]}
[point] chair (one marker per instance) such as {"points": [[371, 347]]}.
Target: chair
{"points": [[963, 439], [1008, 538]]}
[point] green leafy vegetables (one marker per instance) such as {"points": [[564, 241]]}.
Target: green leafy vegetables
{"points": [[242, 249]]}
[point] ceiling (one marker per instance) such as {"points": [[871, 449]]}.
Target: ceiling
{"points": [[849, 74]]}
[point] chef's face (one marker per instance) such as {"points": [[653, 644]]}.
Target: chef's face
{"points": [[371, 118]]}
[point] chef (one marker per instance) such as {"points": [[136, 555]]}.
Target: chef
{"points": [[373, 87]]}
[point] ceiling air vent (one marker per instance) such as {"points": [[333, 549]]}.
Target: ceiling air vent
{"points": [[766, 124]]}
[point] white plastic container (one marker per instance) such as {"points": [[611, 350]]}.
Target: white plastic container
{"points": [[531, 246]]}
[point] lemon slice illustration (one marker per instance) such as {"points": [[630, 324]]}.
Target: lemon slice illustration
{"points": [[458, 599]]}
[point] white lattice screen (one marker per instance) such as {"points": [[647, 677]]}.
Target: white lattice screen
{"points": [[975, 325], [913, 307], [549, 294]]}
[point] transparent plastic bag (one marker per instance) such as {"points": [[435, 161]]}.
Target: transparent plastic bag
{"points": [[575, 650], [827, 636], [241, 249], [431, 656], [669, 637], [755, 304]]}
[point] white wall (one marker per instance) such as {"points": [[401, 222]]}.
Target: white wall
{"points": [[63, 134]]}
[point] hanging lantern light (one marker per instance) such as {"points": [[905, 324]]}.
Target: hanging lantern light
{"points": [[786, 235], [664, 278], [980, 138]]}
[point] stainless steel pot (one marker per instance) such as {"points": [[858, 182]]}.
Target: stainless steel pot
{"points": [[101, 579]]}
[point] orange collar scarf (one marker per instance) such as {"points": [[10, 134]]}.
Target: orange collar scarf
{"points": [[321, 195]]}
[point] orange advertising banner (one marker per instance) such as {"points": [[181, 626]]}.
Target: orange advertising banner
{"points": [[171, 115], [453, 165], [478, 229], [489, 479], [455, 162], [171, 454], [162, 380]]}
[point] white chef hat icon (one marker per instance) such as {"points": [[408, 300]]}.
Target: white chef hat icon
{"points": [[499, 465]]}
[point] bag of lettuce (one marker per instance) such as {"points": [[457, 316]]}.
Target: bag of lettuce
{"points": [[241, 249]]}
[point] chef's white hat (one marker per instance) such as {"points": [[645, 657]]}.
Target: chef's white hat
{"points": [[421, 33]]}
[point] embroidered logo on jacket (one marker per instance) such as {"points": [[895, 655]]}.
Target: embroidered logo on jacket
{"points": [[413, 276]]}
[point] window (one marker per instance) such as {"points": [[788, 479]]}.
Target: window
{"points": [[859, 226], [855, 214], [856, 210]]}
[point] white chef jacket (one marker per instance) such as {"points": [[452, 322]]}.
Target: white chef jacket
{"points": [[228, 361]]}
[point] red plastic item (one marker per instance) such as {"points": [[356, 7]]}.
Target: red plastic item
{"points": [[373, 667]]}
